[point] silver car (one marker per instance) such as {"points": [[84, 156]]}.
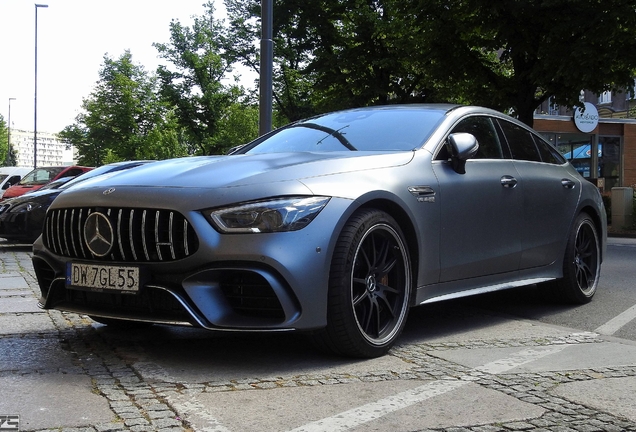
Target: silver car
{"points": [[335, 225]]}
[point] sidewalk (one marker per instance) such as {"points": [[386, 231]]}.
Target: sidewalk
{"points": [[454, 371]]}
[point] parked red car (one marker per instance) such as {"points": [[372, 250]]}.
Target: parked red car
{"points": [[41, 176]]}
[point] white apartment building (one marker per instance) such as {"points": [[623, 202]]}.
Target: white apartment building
{"points": [[50, 150]]}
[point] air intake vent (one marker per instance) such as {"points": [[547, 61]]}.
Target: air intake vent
{"points": [[129, 235]]}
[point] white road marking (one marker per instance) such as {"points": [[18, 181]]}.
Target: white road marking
{"points": [[189, 408], [374, 410], [519, 359], [618, 322]]}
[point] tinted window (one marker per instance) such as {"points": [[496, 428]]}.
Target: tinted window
{"points": [[520, 141], [548, 153], [72, 172], [483, 129]]}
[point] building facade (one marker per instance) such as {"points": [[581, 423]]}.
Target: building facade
{"points": [[50, 150], [606, 154]]}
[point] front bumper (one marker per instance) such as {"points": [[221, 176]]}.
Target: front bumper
{"points": [[275, 281]]}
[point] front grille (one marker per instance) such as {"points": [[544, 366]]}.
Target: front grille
{"points": [[140, 235]]}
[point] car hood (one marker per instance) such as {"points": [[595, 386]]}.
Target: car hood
{"points": [[244, 170], [37, 196]]}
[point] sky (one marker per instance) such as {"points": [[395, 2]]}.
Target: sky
{"points": [[73, 37]]}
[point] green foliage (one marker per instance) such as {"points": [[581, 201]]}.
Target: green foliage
{"points": [[123, 118], [238, 126], [295, 95], [4, 140], [193, 85], [510, 55], [515, 54]]}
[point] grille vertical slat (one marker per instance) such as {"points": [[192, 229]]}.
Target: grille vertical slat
{"points": [[170, 236], [130, 234], [185, 237], [80, 233], [119, 236], [72, 230], [160, 235], [143, 234], [65, 236], [59, 240], [157, 242]]}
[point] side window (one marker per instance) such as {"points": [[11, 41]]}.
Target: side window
{"points": [[72, 173], [548, 153], [483, 129], [520, 141], [13, 180]]}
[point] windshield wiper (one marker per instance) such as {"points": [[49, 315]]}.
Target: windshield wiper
{"points": [[331, 132]]}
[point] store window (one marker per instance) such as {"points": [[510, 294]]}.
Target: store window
{"points": [[576, 148], [609, 160]]}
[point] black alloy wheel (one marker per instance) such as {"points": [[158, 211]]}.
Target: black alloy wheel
{"points": [[582, 263], [370, 286]]}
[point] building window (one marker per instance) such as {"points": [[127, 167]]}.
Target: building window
{"points": [[605, 97]]}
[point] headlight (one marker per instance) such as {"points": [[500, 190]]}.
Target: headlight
{"points": [[276, 215], [24, 207]]}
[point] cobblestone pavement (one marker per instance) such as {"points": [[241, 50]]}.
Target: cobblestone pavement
{"points": [[139, 400]]}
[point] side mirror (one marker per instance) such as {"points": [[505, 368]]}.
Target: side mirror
{"points": [[462, 146]]}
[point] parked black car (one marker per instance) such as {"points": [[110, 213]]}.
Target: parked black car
{"points": [[22, 218]]}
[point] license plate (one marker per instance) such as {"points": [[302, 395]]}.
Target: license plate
{"points": [[102, 277]]}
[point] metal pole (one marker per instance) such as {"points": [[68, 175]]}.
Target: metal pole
{"points": [[8, 161], [35, 98], [267, 65]]}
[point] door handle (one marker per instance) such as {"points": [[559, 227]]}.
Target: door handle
{"points": [[508, 181], [568, 184]]}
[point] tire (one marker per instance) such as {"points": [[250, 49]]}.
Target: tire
{"points": [[581, 264], [369, 286], [121, 323]]}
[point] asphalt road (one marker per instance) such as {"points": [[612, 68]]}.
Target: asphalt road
{"points": [[612, 312]]}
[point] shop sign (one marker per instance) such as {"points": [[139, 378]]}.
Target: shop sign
{"points": [[586, 118]]}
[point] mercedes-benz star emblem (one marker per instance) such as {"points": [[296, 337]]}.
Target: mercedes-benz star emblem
{"points": [[99, 235]]}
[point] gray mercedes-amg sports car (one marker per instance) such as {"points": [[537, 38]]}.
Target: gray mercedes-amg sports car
{"points": [[336, 224]]}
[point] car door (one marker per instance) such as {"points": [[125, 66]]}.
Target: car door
{"points": [[481, 209], [550, 196]]}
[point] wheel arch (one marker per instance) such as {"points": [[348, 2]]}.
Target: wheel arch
{"points": [[601, 229], [408, 229]]}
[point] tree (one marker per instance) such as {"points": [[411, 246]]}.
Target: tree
{"points": [[510, 55], [238, 126], [123, 118], [194, 84], [4, 136], [518, 53], [294, 95]]}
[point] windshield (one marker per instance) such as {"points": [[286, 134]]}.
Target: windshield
{"points": [[40, 176], [356, 130], [104, 169], [57, 183], [2, 177]]}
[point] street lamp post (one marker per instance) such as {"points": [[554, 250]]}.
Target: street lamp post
{"points": [[267, 54], [35, 99], [8, 162]]}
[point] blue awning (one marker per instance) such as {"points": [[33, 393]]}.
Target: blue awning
{"points": [[583, 152]]}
